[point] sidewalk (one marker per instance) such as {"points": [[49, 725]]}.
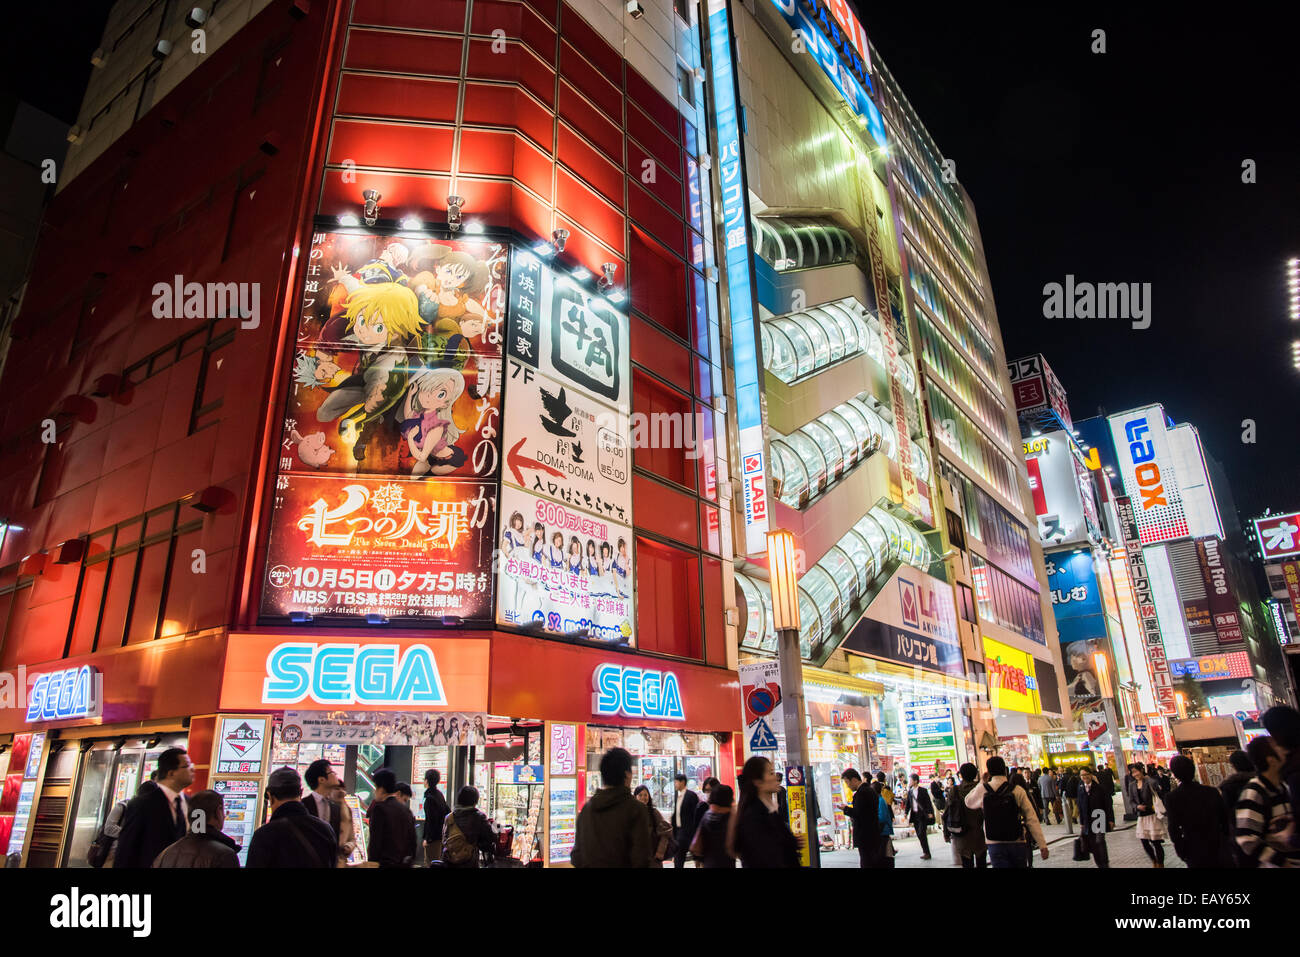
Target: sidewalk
{"points": [[1125, 849]]}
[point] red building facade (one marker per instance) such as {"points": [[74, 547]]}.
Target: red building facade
{"points": [[141, 451]]}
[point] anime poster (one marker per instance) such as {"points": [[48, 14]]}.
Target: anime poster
{"points": [[397, 369], [399, 548], [568, 569]]}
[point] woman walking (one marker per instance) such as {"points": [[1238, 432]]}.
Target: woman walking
{"points": [[661, 832], [759, 836], [1151, 814]]}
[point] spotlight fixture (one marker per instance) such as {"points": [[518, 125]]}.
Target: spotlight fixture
{"points": [[349, 219], [162, 49], [635, 10], [196, 18], [370, 209], [411, 221], [616, 296], [544, 249], [607, 280], [559, 238], [454, 204]]}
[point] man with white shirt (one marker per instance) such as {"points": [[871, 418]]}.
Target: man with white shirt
{"points": [[321, 781], [685, 803], [157, 818], [1008, 812]]}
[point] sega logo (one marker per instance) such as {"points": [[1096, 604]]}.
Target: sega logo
{"points": [[1145, 470], [352, 674], [59, 695], [636, 693]]}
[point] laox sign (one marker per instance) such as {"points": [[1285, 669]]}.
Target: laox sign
{"points": [[1146, 471], [636, 693]]}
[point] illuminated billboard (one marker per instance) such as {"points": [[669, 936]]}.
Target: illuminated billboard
{"points": [[388, 463], [1278, 535], [1146, 467], [1061, 489]]}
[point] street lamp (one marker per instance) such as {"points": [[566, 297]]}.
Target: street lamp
{"points": [[1102, 665], [785, 620]]}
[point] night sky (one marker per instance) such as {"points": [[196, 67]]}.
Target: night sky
{"points": [[1126, 167], [1118, 167]]}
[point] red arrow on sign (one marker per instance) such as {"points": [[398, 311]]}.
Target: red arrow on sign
{"points": [[515, 460]]}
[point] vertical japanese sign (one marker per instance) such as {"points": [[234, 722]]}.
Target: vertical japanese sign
{"points": [[1219, 592], [746, 357], [566, 507], [387, 472], [561, 791], [1152, 643], [913, 499], [1291, 575]]}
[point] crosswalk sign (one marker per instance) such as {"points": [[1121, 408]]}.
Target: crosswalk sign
{"points": [[1141, 742], [762, 739]]}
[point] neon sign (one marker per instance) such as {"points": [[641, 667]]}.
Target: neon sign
{"points": [[636, 693], [346, 674], [59, 695]]}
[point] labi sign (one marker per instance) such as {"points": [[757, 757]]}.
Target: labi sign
{"points": [[912, 621]]}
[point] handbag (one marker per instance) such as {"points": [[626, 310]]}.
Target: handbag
{"points": [[1080, 851]]}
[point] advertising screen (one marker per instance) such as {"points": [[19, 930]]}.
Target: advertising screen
{"points": [[1061, 489], [1080, 621], [390, 451], [1013, 685], [1146, 467]]}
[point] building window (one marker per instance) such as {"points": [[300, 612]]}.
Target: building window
{"points": [[683, 10], [685, 84]]}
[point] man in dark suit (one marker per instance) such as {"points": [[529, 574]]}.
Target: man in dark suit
{"points": [[1198, 819], [322, 779], [865, 815], [292, 837], [920, 812], [156, 817], [392, 828], [685, 804], [435, 815]]}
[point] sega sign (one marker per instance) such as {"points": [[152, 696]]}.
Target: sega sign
{"points": [[636, 693], [59, 695], [351, 674]]}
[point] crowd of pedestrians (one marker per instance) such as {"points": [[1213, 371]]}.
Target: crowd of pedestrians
{"points": [[992, 819]]}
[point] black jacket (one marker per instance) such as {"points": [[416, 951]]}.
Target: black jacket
{"points": [[1230, 790], [865, 815], [711, 840], [690, 808], [1198, 825], [293, 838], [1106, 778], [1072, 785], [335, 814], [435, 813], [148, 828], [392, 834], [477, 832], [1100, 798], [921, 805], [612, 832], [763, 839], [212, 849]]}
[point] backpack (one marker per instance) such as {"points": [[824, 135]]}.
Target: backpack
{"points": [[1002, 813], [456, 848], [102, 845], [954, 815]]}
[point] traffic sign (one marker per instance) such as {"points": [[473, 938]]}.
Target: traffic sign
{"points": [[1139, 729], [1241, 715], [762, 739], [1141, 742]]}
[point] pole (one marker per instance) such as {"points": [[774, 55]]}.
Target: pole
{"points": [[796, 735], [1121, 762]]}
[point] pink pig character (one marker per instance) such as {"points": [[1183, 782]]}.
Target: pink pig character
{"points": [[312, 449]]}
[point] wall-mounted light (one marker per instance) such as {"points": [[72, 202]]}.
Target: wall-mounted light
{"points": [[98, 58], [196, 17], [474, 227], [162, 49], [559, 237], [609, 270], [370, 208], [349, 219], [635, 10], [454, 205], [580, 275]]}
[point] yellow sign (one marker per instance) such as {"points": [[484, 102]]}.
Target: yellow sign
{"points": [[1012, 683]]}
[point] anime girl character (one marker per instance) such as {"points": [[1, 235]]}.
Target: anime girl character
{"points": [[480, 731], [620, 566], [453, 731], [381, 317], [440, 731], [427, 423], [575, 556], [593, 559], [1080, 669], [538, 546], [555, 557]]}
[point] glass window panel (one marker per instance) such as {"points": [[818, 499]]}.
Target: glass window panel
{"points": [[803, 346], [812, 458], [829, 446]]}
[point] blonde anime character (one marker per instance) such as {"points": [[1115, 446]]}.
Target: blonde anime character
{"points": [[381, 319], [427, 423]]}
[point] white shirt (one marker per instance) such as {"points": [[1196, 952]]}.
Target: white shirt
{"points": [[677, 808], [171, 803]]}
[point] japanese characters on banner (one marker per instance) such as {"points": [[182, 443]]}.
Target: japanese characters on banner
{"points": [[566, 539], [390, 451], [760, 696], [1291, 576], [566, 446], [241, 744], [399, 548], [1152, 642], [1219, 592], [395, 728]]}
